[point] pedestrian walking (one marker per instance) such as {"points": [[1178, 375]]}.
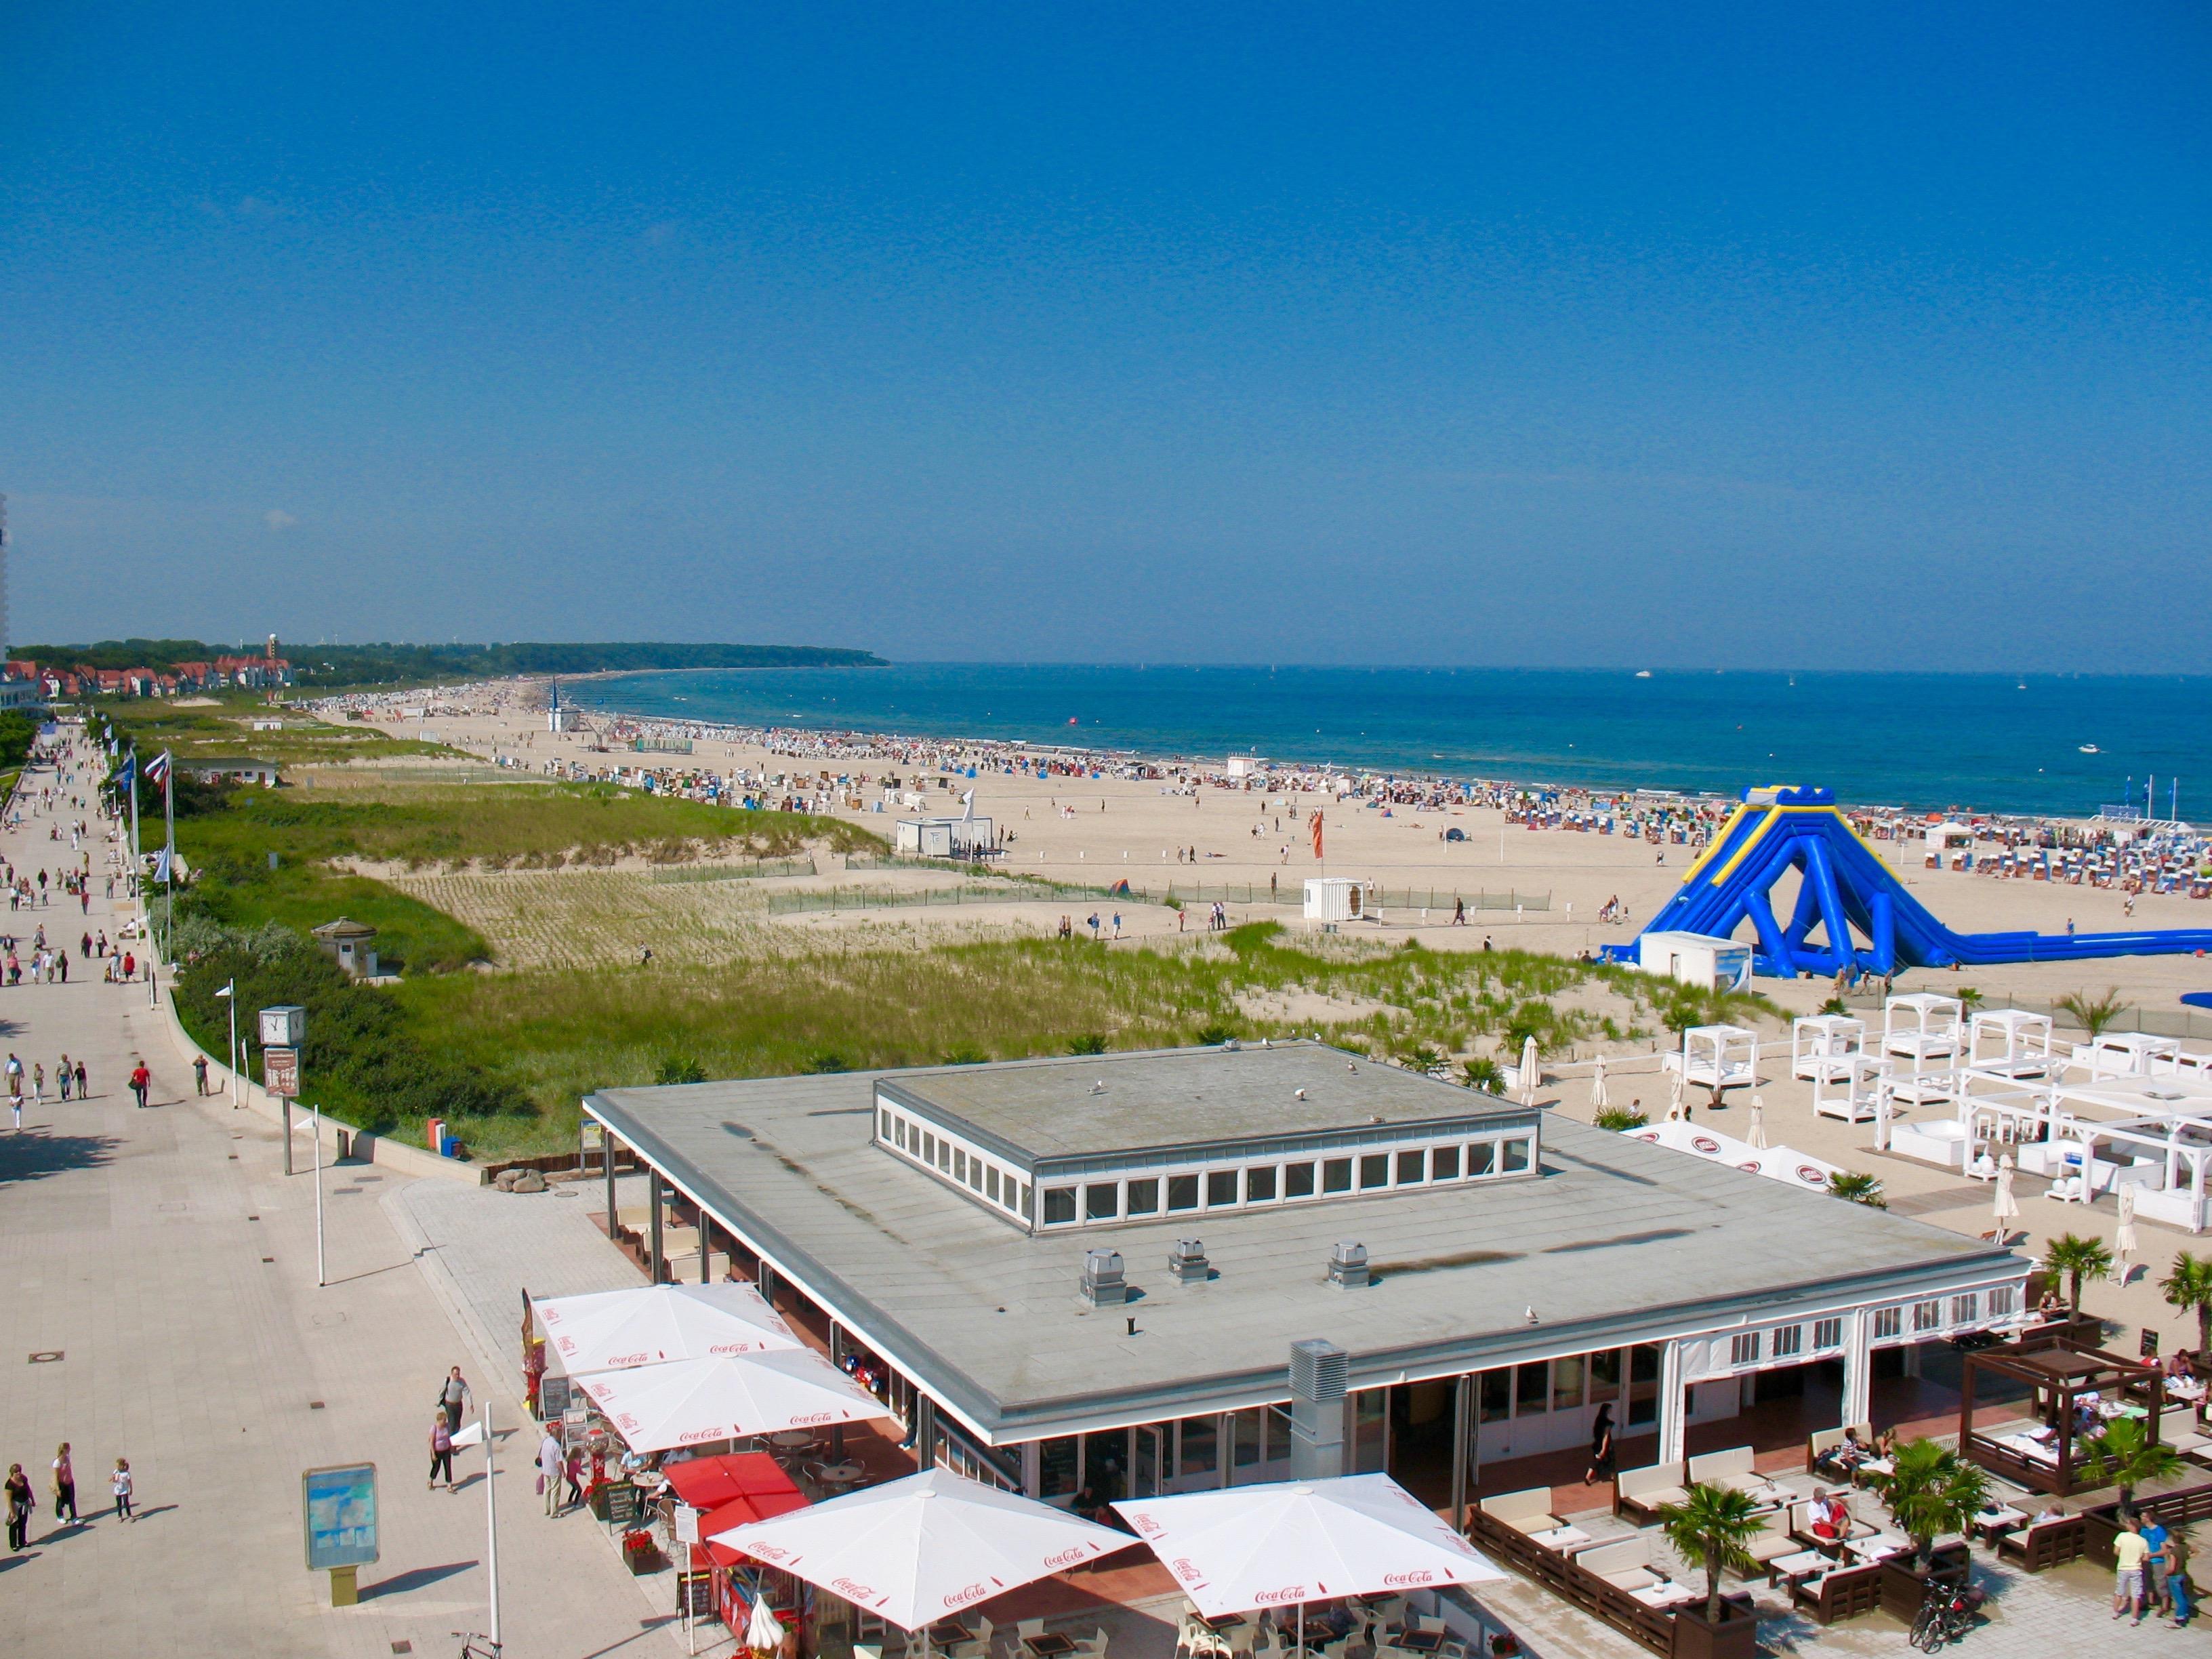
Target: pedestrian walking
{"points": [[552, 1464], [453, 1395], [120, 1485], [38, 1083], [63, 1076], [572, 1473], [64, 1473], [80, 1080], [200, 1073], [1601, 1453], [17, 1492], [441, 1452], [141, 1080], [2129, 1554]]}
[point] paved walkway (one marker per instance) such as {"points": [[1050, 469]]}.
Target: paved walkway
{"points": [[167, 1261]]}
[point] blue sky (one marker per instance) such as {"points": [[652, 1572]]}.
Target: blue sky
{"points": [[1839, 337]]}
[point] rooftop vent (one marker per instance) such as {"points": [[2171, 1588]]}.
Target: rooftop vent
{"points": [[1319, 1376], [1186, 1262], [1347, 1266], [1102, 1286], [1319, 1370]]}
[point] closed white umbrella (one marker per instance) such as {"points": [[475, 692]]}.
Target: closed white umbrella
{"points": [[653, 1324], [1528, 1071], [1300, 1541], [690, 1402], [1674, 1096], [1598, 1101], [918, 1549], [1756, 1136]]}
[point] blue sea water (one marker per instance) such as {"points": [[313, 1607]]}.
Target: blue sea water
{"points": [[1995, 742]]}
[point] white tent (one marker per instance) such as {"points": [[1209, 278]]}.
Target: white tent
{"points": [[652, 1324], [1776, 1162], [1299, 1542], [916, 1550], [690, 1402]]}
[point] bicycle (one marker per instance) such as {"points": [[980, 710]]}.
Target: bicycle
{"points": [[1947, 1613], [475, 1644]]}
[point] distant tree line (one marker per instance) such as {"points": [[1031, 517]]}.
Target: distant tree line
{"points": [[389, 664]]}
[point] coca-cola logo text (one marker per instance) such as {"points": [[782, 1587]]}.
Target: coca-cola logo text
{"points": [[1067, 1558], [1426, 1575], [805, 1419], [967, 1593], [692, 1436], [1276, 1597]]}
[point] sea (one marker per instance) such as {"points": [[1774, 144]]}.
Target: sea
{"points": [[2044, 744]]}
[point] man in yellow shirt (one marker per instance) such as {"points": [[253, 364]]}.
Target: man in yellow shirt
{"points": [[2130, 1551]]}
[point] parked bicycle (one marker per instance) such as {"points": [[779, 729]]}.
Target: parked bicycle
{"points": [[1948, 1612], [476, 1645]]}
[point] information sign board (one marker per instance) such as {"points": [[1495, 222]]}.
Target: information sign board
{"points": [[339, 1505], [280, 1073]]}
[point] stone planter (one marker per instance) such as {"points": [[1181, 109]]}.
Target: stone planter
{"points": [[1736, 1636], [1905, 1585]]}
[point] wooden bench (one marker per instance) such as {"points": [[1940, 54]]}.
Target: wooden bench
{"points": [[1527, 1510], [1638, 1495], [1841, 1593], [2043, 1545]]}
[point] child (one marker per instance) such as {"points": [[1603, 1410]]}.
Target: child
{"points": [[120, 1484]]}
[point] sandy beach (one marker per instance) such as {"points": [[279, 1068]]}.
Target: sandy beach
{"points": [[1097, 831]]}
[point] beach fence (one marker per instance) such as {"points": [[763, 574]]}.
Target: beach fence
{"points": [[866, 897], [752, 870], [1431, 899]]}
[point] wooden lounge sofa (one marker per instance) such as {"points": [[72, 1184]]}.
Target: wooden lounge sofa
{"points": [[1639, 1494], [2177, 1427], [1823, 1443], [1801, 1528], [1730, 1470], [1625, 1565], [2044, 1544], [1527, 1510], [1773, 1539], [1840, 1593]]}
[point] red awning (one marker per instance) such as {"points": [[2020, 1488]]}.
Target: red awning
{"points": [[732, 1490]]}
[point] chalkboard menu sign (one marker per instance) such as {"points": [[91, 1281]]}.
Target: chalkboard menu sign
{"points": [[622, 1504], [695, 1596], [552, 1396]]}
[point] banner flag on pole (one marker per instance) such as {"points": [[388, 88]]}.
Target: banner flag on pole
{"points": [[157, 769], [1316, 835]]}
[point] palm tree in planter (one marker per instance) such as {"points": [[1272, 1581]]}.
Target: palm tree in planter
{"points": [[2189, 1287], [2126, 1455], [1858, 1188], [1931, 1491], [1712, 1525], [2077, 1258]]}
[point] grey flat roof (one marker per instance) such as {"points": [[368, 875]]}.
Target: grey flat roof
{"points": [[1620, 1241], [1055, 1108]]}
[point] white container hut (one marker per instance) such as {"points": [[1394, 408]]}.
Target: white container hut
{"points": [[1332, 899], [1696, 959]]}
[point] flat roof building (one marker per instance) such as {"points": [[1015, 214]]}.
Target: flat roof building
{"points": [[1091, 1270]]}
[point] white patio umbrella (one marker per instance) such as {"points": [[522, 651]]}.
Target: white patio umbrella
{"points": [[918, 1549], [614, 1330], [1300, 1541], [688, 1402], [1757, 1134], [1783, 1163], [1528, 1071], [1598, 1101], [1674, 1096]]}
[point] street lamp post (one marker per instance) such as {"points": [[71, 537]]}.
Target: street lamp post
{"points": [[229, 995]]}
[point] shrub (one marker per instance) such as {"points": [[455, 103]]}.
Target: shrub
{"points": [[1621, 1117], [679, 1069], [1094, 1042], [1484, 1074]]}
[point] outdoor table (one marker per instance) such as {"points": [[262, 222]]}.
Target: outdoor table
{"points": [[1990, 1522], [1664, 1594], [950, 1634], [1561, 1539], [1050, 1645], [790, 1440], [1419, 1641], [1873, 1465], [841, 1474], [1803, 1564], [1222, 1621], [1879, 1548]]}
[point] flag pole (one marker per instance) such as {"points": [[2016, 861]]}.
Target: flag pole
{"points": [[169, 855]]}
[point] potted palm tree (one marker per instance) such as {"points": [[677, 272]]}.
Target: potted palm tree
{"points": [[1712, 1526], [2077, 1258], [2188, 1286], [2127, 1454], [1930, 1492]]}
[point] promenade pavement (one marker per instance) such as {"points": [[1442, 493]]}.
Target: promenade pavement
{"points": [[166, 1260]]}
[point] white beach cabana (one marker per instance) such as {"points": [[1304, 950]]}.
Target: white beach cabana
{"points": [[2010, 1041], [691, 1402], [1853, 1092], [1718, 1056], [1297, 1541], [653, 1324], [1823, 1046], [917, 1549]]}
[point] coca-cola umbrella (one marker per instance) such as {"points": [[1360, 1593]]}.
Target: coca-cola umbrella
{"points": [[1288, 1543], [613, 1330], [920, 1549], [690, 1402]]}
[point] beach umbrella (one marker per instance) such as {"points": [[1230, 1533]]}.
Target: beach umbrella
{"points": [[1528, 1071], [1598, 1101], [2006, 1207], [688, 1402], [915, 1551], [1757, 1135], [1271, 1546], [1674, 1096], [652, 1324], [1783, 1163]]}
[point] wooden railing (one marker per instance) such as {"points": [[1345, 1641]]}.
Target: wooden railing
{"points": [[1576, 1586]]}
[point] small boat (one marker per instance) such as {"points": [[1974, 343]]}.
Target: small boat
{"points": [[2091, 749], [1642, 673]]}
